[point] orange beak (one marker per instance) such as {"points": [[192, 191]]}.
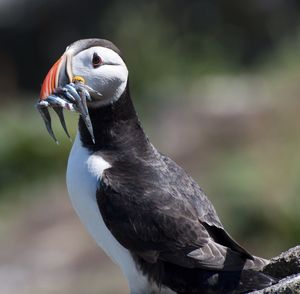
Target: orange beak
{"points": [[51, 79]]}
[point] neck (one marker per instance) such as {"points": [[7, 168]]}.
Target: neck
{"points": [[116, 127]]}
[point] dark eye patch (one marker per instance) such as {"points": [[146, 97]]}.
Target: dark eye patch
{"points": [[96, 60]]}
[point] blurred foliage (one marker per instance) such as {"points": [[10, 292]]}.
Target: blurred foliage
{"points": [[172, 49], [27, 155], [158, 38]]}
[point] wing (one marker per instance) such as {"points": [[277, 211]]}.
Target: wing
{"points": [[158, 212]]}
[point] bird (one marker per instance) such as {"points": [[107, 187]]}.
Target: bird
{"points": [[147, 214]]}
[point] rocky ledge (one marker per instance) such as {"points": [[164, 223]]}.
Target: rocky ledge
{"points": [[286, 268]]}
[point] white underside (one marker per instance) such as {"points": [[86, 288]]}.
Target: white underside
{"points": [[83, 173]]}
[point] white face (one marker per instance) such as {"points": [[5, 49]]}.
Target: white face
{"points": [[103, 70]]}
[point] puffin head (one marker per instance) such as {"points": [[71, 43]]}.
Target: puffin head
{"points": [[95, 62], [91, 73]]}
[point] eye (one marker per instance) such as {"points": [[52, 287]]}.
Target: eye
{"points": [[97, 61]]}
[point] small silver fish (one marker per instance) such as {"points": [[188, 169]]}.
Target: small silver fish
{"points": [[73, 97]]}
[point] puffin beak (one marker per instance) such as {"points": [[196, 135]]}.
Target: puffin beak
{"points": [[60, 91], [52, 81], [60, 74]]}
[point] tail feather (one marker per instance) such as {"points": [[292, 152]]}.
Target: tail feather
{"points": [[196, 280], [226, 282], [251, 280]]}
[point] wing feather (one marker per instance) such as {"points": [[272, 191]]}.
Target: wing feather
{"points": [[158, 212]]}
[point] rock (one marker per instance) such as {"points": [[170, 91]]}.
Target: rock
{"points": [[286, 268], [286, 264]]}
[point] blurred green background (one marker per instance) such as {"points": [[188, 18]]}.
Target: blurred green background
{"points": [[216, 84]]}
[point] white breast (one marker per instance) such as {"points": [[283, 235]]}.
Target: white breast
{"points": [[83, 173]]}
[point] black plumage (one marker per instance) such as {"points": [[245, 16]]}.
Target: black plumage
{"points": [[160, 214]]}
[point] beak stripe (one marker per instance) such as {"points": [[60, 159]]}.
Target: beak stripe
{"points": [[51, 80]]}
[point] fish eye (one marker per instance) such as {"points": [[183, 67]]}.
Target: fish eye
{"points": [[96, 60]]}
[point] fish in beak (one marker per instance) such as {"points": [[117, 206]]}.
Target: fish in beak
{"points": [[61, 90]]}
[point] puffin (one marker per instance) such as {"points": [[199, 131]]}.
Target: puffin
{"points": [[146, 213]]}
